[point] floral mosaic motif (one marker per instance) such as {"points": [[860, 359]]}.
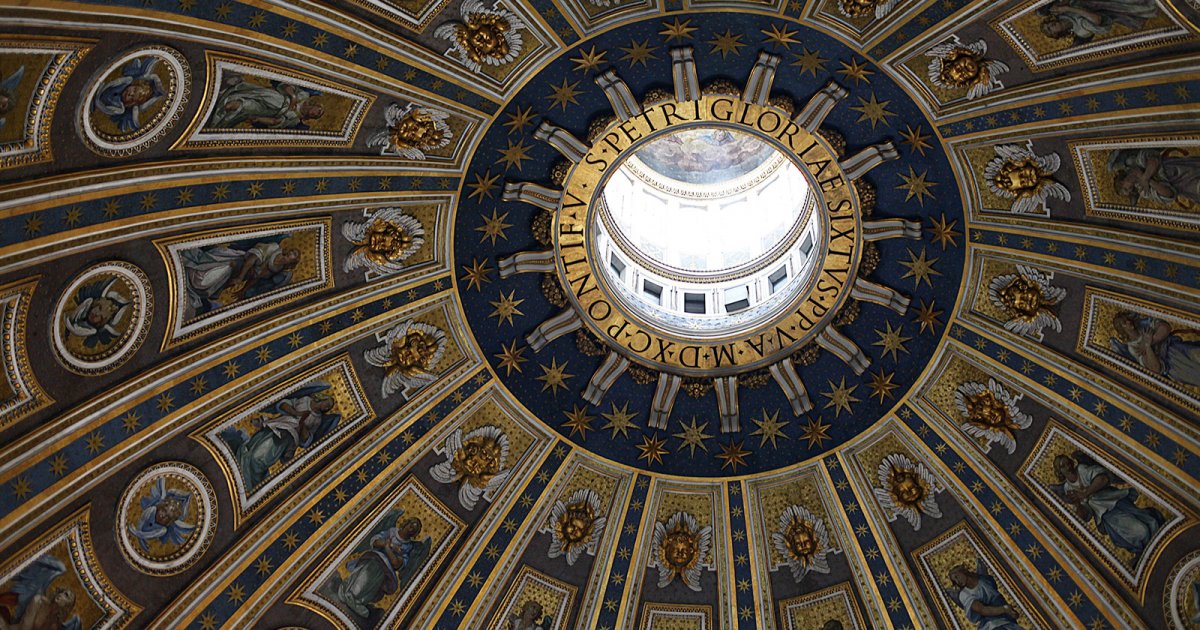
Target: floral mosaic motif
{"points": [[802, 541], [477, 462], [907, 489], [167, 518], [681, 549], [1019, 174], [1029, 300], [863, 8], [409, 354], [990, 413], [576, 526], [954, 65], [383, 241], [411, 131], [484, 36], [102, 318]]}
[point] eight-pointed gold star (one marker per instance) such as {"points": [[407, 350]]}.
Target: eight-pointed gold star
{"points": [[563, 95], [840, 397], [652, 449], [810, 61], [854, 70], [693, 436], [780, 36], [483, 185], [477, 274], [892, 340], [727, 42], [493, 227], [589, 60], [510, 358], [514, 155], [944, 232], [506, 307], [816, 432], [873, 110], [916, 140], [916, 185], [920, 268], [579, 421], [519, 119], [770, 428], [554, 376], [677, 30], [639, 52], [619, 420], [732, 455], [927, 317], [881, 385]]}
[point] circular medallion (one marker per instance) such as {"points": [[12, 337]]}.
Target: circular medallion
{"points": [[719, 264], [1181, 601], [167, 518], [102, 318], [134, 100]]}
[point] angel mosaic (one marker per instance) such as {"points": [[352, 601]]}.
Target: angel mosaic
{"points": [[410, 352], [164, 517], [279, 105], [802, 541], [221, 275], [954, 65], [383, 241], [477, 462], [1029, 299], [907, 489], [1158, 346], [136, 91], [382, 564], [1082, 21], [411, 131], [681, 549], [865, 8], [576, 525], [8, 93], [1162, 175], [34, 602], [1097, 494], [531, 617], [978, 594], [484, 36], [990, 413], [298, 421], [101, 315], [1019, 174]]}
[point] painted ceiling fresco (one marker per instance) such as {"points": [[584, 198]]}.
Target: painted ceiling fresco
{"points": [[294, 335]]}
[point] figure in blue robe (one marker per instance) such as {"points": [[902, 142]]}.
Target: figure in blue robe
{"points": [[163, 516], [124, 98], [295, 422], [980, 598], [1096, 494], [32, 604], [1158, 346], [246, 269], [1084, 20], [381, 565]]}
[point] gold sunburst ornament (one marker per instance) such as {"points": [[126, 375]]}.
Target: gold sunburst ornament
{"points": [[907, 489], [990, 413], [476, 462], [681, 549], [575, 526]]}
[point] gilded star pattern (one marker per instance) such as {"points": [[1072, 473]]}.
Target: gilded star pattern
{"points": [[810, 61], [927, 316], [920, 268], [693, 436], [770, 428], [916, 140], [916, 185], [727, 42], [881, 385], [619, 420], [856, 71], [677, 30], [652, 449], [841, 398], [732, 455], [874, 111], [510, 358], [638, 53], [563, 95], [482, 187], [477, 274], [892, 340], [493, 227], [780, 36], [554, 376], [578, 421], [943, 232], [589, 60], [514, 155], [519, 119], [506, 307]]}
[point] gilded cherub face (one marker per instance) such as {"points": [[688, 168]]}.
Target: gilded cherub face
{"points": [[985, 409], [478, 460], [415, 130], [413, 350], [575, 525], [859, 8], [136, 93], [1020, 178], [485, 37], [101, 311], [680, 549], [962, 68], [907, 487], [168, 511], [1024, 297], [801, 539], [386, 241]]}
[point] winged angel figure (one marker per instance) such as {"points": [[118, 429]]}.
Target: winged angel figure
{"points": [[484, 36], [383, 241], [33, 604], [409, 353], [1019, 174], [382, 564], [477, 461], [954, 65]]}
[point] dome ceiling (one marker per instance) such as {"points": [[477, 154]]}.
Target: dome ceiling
{"points": [[301, 327]]}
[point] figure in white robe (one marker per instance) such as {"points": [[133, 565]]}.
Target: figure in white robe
{"points": [[1084, 20], [295, 422], [247, 269], [980, 598], [278, 106], [382, 564], [1097, 494]]}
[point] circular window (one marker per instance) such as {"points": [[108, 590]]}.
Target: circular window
{"points": [[707, 230]]}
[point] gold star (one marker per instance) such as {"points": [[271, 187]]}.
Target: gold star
{"points": [[639, 52], [816, 432], [291, 540], [506, 307], [483, 185], [564, 95], [677, 30], [840, 397], [208, 621], [619, 420], [21, 487], [588, 61], [263, 566], [578, 421], [263, 354], [652, 449], [112, 207], [927, 317], [295, 340], [873, 111], [881, 385], [780, 36], [475, 579], [732, 455], [493, 227], [519, 119], [510, 358], [58, 465], [891, 340], [320, 39], [856, 71], [199, 385], [236, 593], [916, 140], [810, 61], [477, 274], [944, 232], [916, 186], [693, 436], [919, 268], [726, 43], [165, 402], [515, 155], [770, 428], [555, 376], [148, 201]]}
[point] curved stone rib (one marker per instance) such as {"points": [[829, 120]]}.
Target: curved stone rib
{"points": [[879, 229], [843, 348], [818, 107], [762, 75], [664, 400], [793, 388], [727, 403], [535, 194], [867, 159], [602, 380], [684, 74], [562, 140], [565, 322], [624, 105], [868, 291], [527, 262]]}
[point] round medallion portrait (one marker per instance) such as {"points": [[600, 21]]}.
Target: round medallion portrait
{"points": [[709, 264], [167, 518], [134, 100], [102, 318]]}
